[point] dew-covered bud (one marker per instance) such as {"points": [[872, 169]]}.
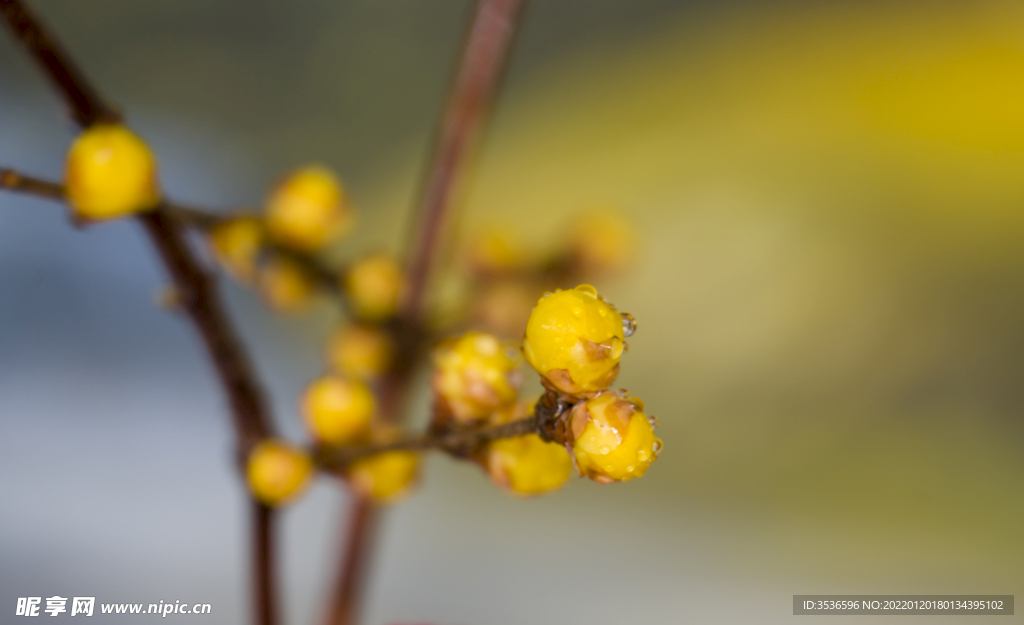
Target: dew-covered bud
{"points": [[336, 410], [613, 440], [475, 375], [374, 285], [285, 285], [601, 241], [384, 477], [575, 339], [308, 209], [363, 352], [110, 172], [278, 472], [236, 243]]}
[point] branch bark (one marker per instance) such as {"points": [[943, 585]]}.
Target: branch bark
{"points": [[482, 62], [195, 286]]}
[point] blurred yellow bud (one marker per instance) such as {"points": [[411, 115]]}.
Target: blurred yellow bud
{"points": [[475, 375], [278, 472], [527, 465], [494, 251], [613, 439], [503, 307], [336, 410], [285, 285], [601, 241], [236, 243], [110, 172], [385, 476], [374, 285], [575, 339], [363, 352], [308, 209]]}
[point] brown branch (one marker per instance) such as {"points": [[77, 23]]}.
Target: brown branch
{"points": [[362, 518], [84, 103], [14, 181], [264, 564], [328, 278], [197, 296], [459, 443], [483, 60], [196, 288]]}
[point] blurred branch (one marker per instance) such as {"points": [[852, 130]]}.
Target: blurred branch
{"points": [[195, 286], [459, 443], [14, 181], [482, 62], [326, 276], [199, 219], [85, 105]]}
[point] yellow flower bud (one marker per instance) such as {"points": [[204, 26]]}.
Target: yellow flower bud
{"points": [[527, 465], [374, 285], [475, 375], [494, 251], [363, 352], [337, 410], [503, 307], [236, 243], [613, 439], [285, 285], [278, 472], [385, 476], [308, 209], [109, 173], [575, 339], [601, 241]]}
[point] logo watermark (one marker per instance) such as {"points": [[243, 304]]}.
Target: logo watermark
{"points": [[86, 606]]}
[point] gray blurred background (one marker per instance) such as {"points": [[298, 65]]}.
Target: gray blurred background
{"points": [[830, 202]]}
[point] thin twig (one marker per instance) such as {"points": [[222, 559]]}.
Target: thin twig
{"points": [[460, 443], [85, 105], [482, 62], [195, 286], [328, 278], [14, 181]]}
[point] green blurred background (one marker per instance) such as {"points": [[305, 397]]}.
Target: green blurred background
{"points": [[830, 205]]}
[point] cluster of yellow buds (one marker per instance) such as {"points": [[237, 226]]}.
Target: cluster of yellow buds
{"points": [[575, 339], [305, 212], [506, 277], [476, 381]]}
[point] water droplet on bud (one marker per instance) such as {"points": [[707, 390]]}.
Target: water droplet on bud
{"points": [[628, 324]]}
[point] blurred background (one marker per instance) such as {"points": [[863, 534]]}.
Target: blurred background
{"points": [[829, 200]]}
